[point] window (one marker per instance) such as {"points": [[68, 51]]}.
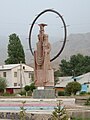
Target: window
{"points": [[29, 75], [15, 74], [15, 84], [4, 74], [23, 67]]}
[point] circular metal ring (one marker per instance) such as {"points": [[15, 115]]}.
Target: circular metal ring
{"points": [[65, 31]]}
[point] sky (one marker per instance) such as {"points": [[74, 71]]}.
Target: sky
{"points": [[16, 16]]}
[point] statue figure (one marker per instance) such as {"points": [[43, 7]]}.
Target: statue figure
{"points": [[47, 49], [40, 53], [42, 59]]}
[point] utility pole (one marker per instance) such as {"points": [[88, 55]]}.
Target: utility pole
{"points": [[21, 75]]}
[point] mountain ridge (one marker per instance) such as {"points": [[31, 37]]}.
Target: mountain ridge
{"points": [[76, 43]]}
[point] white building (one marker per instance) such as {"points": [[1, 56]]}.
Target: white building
{"points": [[17, 76]]}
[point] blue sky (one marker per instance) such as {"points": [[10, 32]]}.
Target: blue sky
{"points": [[17, 15]]}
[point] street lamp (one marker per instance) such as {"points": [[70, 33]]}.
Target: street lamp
{"points": [[73, 75]]}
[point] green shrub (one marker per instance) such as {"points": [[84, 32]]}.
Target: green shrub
{"points": [[88, 93], [87, 101], [32, 86], [59, 113], [22, 113], [61, 93], [83, 93], [29, 93], [7, 94], [73, 87], [23, 92]]}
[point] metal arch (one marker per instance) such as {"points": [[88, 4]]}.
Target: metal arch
{"points": [[65, 31]]}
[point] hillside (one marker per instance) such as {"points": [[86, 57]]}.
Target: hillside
{"points": [[76, 43]]}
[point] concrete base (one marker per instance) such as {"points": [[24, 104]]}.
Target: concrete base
{"points": [[44, 93]]}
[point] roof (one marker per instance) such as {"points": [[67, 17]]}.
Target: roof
{"points": [[63, 81], [82, 79], [10, 66]]}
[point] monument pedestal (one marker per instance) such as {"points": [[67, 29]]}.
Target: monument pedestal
{"points": [[44, 93], [46, 89]]}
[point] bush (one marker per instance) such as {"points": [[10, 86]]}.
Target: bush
{"points": [[88, 93], [73, 87], [67, 94], [23, 92], [29, 93], [32, 87], [88, 102], [59, 113], [7, 94], [27, 88], [3, 84], [83, 93], [61, 93]]}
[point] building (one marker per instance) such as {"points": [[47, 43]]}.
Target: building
{"points": [[17, 76], [61, 84], [84, 80]]}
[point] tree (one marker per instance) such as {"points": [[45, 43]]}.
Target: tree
{"points": [[15, 50], [56, 75], [27, 88], [22, 112], [65, 68], [73, 87], [3, 84], [32, 87], [78, 63], [59, 113]]}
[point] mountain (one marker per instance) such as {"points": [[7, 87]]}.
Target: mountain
{"points": [[3, 48], [76, 43]]}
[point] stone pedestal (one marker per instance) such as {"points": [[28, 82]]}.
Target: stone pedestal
{"points": [[44, 93]]}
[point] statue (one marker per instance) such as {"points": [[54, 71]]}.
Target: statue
{"points": [[42, 71]]}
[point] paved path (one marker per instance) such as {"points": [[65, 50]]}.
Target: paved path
{"points": [[69, 103]]}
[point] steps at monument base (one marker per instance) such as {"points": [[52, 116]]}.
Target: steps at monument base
{"points": [[45, 93]]}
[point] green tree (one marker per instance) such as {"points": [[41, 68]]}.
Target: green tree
{"points": [[65, 68], [72, 88], [78, 63], [59, 113], [22, 112], [15, 50], [3, 84], [27, 88], [32, 87], [56, 75]]}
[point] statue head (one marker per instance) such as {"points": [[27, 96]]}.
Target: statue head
{"points": [[42, 25]]}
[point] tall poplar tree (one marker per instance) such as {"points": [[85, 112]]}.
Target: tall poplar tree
{"points": [[15, 50]]}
